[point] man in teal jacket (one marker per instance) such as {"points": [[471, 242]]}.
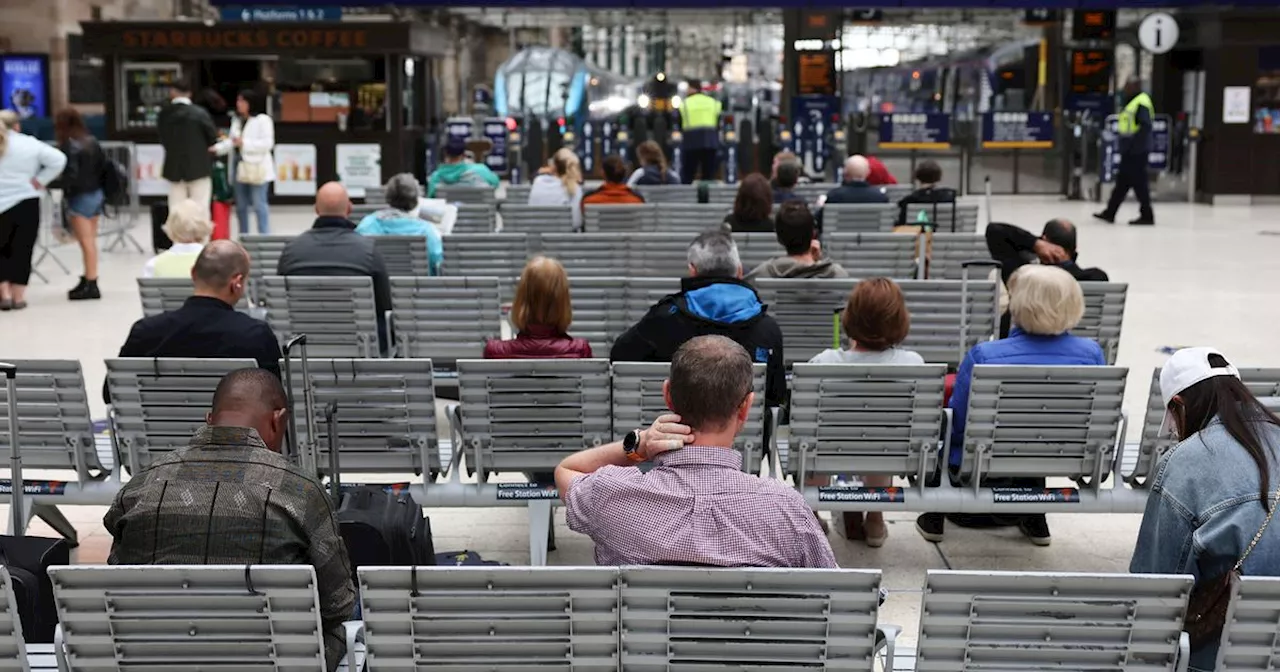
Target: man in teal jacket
{"points": [[458, 171]]}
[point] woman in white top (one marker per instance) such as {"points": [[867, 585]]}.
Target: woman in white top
{"points": [[560, 183], [253, 135], [26, 167], [189, 228], [876, 321]]}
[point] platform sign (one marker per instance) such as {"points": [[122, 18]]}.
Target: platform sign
{"points": [[459, 127], [495, 129], [920, 130], [813, 120], [1158, 159], [1017, 130], [280, 13]]}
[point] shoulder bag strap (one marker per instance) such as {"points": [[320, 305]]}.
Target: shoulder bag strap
{"points": [[1271, 512]]}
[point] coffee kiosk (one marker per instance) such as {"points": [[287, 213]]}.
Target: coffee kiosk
{"points": [[351, 101]]}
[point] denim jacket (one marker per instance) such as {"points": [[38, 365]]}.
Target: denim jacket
{"points": [[1204, 510]]}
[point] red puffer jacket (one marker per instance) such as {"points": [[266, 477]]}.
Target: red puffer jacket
{"points": [[538, 342]]}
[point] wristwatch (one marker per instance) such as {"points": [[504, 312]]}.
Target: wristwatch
{"points": [[631, 446]]}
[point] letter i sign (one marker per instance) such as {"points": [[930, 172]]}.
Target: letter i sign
{"points": [[1158, 33]]}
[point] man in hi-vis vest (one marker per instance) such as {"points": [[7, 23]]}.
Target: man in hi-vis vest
{"points": [[700, 126], [1135, 145]]}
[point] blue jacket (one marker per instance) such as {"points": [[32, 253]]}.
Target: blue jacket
{"points": [[396, 223], [1204, 510], [1019, 348]]}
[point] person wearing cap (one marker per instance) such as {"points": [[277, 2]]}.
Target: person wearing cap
{"points": [[1214, 492], [457, 171], [1045, 304]]}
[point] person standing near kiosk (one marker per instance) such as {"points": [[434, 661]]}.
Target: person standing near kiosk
{"points": [[1134, 127], [700, 124]]}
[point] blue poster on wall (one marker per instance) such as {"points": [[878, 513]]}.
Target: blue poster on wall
{"points": [[915, 131], [1157, 159], [24, 83], [1017, 130], [815, 116]]}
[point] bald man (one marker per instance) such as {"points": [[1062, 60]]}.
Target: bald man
{"points": [[230, 498], [208, 324], [854, 188], [333, 248]]}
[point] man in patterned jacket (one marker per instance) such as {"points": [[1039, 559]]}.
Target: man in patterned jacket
{"points": [[695, 506], [230, 498]]}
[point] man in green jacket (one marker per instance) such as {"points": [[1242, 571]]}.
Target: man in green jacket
{"points": [[458, 171]]}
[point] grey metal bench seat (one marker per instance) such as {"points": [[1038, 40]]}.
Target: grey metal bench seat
{"points": [[403, 255], [501, 255], [520, 218], [858, 217], [337, 313], [445, 319], [469, 195], [620, 218]]}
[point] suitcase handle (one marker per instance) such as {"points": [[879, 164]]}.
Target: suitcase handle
{"points": [[331, 432], [17, 487]]}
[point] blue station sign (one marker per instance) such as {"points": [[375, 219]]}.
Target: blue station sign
{"points": [[915, 130], [1017, 130]]}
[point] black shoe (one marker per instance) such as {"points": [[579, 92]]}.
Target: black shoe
{"points": [[1110, 219], [932, 526], [1143, 221], [79, 286], [1036, 528], [87, 291]]}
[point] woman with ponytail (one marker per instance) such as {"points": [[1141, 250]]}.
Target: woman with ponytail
{"points": [[560, 183]]}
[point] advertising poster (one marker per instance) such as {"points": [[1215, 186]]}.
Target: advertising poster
{"points": [[148, 170], [23, 83], [359, 167], [295, 170]]}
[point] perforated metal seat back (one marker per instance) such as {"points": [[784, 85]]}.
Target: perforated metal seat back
{"points": [[161, 295], [721, 194], [264, 256], [695, 620], [386, 415], [614, 255], [803, 310], [638, 401], [620, 218], [963, 218], [165, 617], [949, 251], [604, 308], [501, 255], [375, 196], [519, 218], [867, 255], [403, 255], [336, 313], [948, 317], [1043, 420], [1248, 641], [1103, 315], [680, 194], [491, 618], [1050, 621], [54, 426], [526, 415], [445, 319], [517, 193], [754, 248], [858, 217], [13, 651], [159, 404], [475, 218], [1262, 382], [897, 192], [467, 195], [689, 218], [866, 418]]}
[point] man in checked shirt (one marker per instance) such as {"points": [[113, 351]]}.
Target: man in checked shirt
{"points": [[231, 498], [696, 506]]}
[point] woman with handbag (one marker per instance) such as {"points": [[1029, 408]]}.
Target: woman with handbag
{"points": [[253, 137], [1213, 494]]}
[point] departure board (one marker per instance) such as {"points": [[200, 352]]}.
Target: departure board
{"points": [[1091, 71], [817, 72], [1093, 24]]}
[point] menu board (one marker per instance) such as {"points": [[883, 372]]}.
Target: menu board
{"points": [[146, 90], [1093, 24], [915, 131], [295, 170], [359, 167], [1017, 130], [817, 72]]}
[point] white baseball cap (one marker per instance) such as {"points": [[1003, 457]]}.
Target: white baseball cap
{"points": [[1185, 368]]}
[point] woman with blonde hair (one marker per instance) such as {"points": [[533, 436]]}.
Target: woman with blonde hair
{"points": [[560, 183], [541, 315], [1045, 304], [189, 227], [27, 166]]}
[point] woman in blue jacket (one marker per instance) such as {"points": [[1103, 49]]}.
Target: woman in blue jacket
{"points": [[402, 219], [1045, 303]]}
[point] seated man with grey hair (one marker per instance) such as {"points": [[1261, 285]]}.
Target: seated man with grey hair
{"points": [[712, 300], [695, 506], [403, 217]]}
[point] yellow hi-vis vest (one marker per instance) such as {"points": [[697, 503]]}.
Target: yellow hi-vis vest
{"points": [[699, 111], [1128, 120]]}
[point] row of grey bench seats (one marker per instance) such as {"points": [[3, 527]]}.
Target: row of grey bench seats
{"points": [[527, 415], [447, 318], [633, 619], [690, 218], [717, 193], [641, 255]]}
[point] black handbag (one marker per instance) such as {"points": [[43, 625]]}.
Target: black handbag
{"points": [[1210, 598]]}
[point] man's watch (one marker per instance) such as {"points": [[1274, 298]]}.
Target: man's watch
{"points": [[631, 446]]}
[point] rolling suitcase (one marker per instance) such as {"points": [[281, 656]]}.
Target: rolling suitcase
{"points": [[28, 559], [159, 215]]}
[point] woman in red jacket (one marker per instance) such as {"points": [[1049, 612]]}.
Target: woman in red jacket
{"points": [[541, 314]]}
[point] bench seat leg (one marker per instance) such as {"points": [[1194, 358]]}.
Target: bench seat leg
{"points": [[53, 516], [539, 529]]}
